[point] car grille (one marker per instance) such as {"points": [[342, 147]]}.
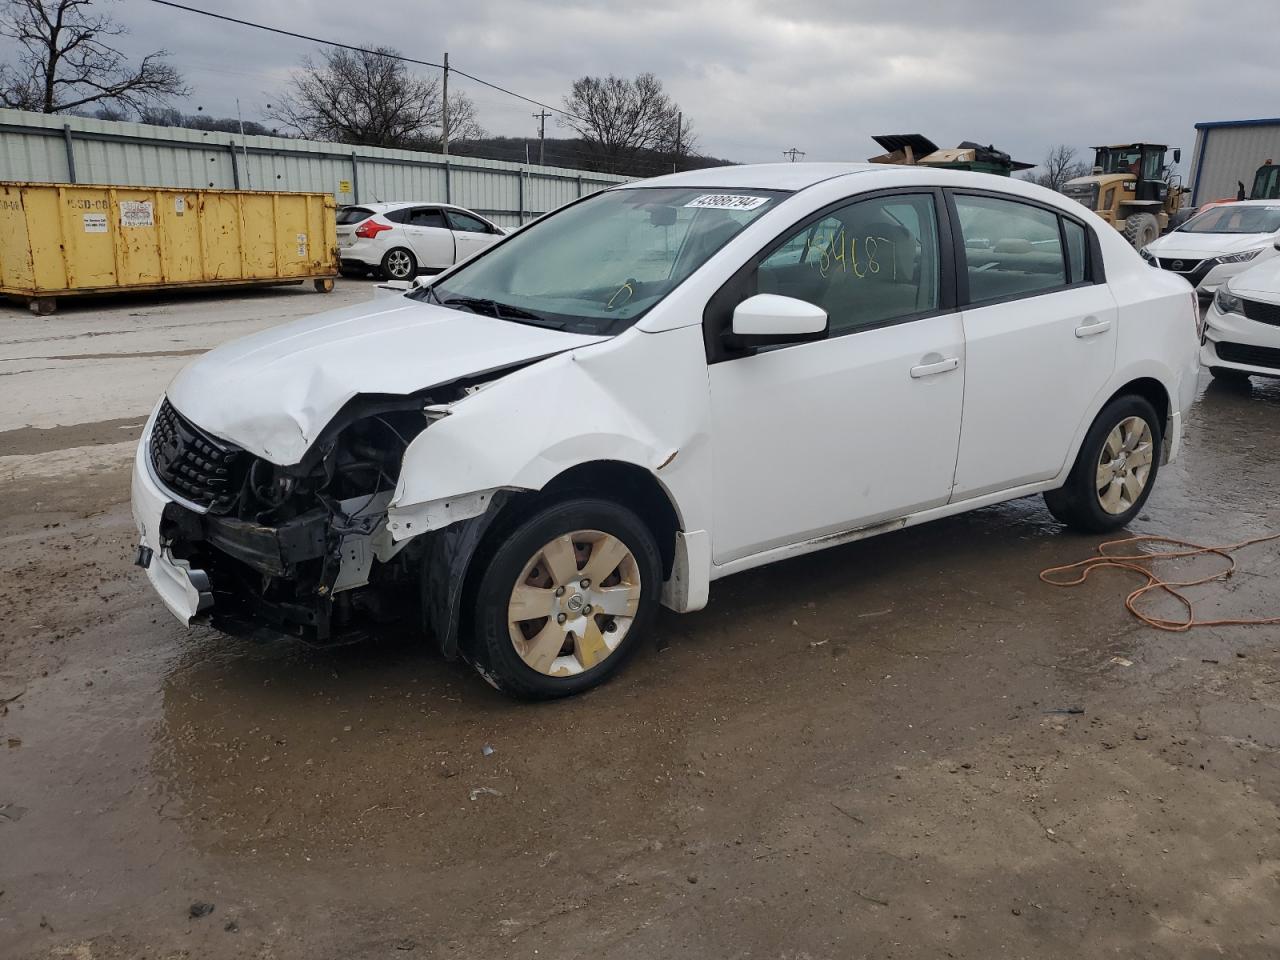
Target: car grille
{"points": [[196, 466], [1262, 312], [1253, 356], [1183, 266]]}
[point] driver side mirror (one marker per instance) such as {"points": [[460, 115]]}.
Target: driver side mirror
{"points": [[768, 319], [1177, 154]]}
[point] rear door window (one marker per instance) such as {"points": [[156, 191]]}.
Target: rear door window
{"points": [[1012, 249], [399, 216], [427, 217]]}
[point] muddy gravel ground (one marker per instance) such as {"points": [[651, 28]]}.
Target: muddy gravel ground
{"points": [[906, 747]]}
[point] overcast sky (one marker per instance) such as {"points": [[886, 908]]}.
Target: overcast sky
{"points": [[758, 77]]}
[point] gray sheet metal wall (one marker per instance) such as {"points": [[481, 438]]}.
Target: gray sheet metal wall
{"points": [[39, 147], [1228, 154]]}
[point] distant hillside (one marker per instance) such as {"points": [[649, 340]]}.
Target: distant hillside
{"points": [[576, 154]]}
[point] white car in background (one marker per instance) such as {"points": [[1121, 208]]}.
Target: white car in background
{"points": [[398, 240], [1242, 327], [1218, 243], [657, 386]]}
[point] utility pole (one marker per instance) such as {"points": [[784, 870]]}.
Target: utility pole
{"points": [[541, 117], [793, 153], [444, 105], [245, 146], [675, 160]]}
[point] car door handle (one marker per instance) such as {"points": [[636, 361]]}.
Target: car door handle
{"points": [[935, 367], [1092, 326]]}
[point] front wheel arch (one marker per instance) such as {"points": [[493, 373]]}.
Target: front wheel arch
{"points": [[625, 484]]}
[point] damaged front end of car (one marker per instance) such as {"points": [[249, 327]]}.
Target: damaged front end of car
{"points": [[307, 550]]}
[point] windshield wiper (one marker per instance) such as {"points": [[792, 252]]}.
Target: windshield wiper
{"points": [[501, 311]]}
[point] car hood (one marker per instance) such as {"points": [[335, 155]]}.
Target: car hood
{"points": [[274, 391], [1260, 282], [1202, 245]]}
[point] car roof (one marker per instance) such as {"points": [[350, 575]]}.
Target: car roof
{"points": [[794, 177], [1250, 203], [758, 176], [383, 206]]}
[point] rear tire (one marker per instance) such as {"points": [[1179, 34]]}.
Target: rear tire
{"points": [[399, 264], [1141, 229], [1115, 469], [537, 632]]}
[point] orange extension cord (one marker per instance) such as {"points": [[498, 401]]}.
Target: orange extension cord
{"points": [[1144, 564]]}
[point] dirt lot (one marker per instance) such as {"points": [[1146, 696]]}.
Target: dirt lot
{"points": [[861, 753]]}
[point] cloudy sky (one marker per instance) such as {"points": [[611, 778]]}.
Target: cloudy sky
{"points": [[759, 76]]}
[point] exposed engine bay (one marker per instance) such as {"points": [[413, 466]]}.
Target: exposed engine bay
{"points": [[285, 547]]}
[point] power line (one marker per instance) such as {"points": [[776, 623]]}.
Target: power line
{"points": [[377, 53], [793, 153]]}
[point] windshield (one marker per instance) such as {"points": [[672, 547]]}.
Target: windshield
{"points": [[597, 266], [1234, 218], [1118, 161], [1266, 183]]}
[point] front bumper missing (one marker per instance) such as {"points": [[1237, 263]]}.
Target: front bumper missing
{"points": [[185, 591], [300, 579]]}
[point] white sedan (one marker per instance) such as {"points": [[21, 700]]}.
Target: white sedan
{"points": [[654, 387], [397, 240], [1242, 327], [1218, 243]]}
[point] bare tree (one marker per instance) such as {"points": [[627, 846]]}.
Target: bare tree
{"points": [[370, 98], [620, 118], [1059, 166], [66, 61]]}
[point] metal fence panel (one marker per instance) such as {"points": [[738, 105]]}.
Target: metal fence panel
{"points": [[1229, 155], [44, 148]]}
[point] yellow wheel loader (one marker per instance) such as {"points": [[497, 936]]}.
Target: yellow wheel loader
{"points": [[1131, 188]]}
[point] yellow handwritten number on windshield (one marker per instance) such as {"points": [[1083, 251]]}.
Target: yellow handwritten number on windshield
{"points": [[617, 293]]}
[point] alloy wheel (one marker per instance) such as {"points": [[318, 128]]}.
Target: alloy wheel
{"points": [[398, 264], [1124, 466], [573, 603]]}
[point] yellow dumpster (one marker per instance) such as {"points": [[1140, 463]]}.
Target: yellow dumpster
{"points": [[59, 239]]}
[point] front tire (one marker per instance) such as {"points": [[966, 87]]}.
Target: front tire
{"points": [[1141, 229], [399, 264], [1115, 469], [565, 599]]}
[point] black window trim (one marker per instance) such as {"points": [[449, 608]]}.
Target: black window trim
{"points": [[716, 327], [1094, 265]]}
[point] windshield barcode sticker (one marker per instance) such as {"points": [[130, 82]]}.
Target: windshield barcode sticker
{"points": [[727, 201]]}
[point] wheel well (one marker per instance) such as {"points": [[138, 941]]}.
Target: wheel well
{"points": [[1152, 391], [633, 487]]}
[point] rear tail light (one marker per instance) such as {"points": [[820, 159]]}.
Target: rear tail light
{"points": [[370, 229], [1197, 315]]}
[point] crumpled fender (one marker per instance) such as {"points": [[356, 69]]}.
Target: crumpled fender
{"points": [[639, 398]]}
